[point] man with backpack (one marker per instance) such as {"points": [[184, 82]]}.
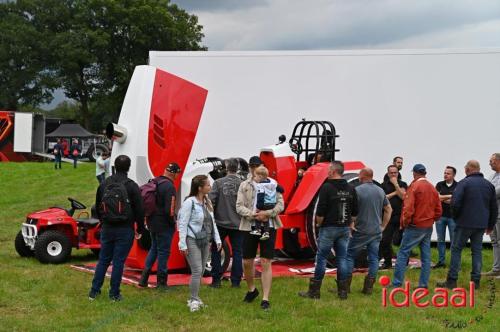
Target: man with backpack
{"points": [[118, 205], [159, 203]]}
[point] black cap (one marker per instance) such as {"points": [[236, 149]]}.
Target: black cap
{"points": [[255, 161], [173, 168]]}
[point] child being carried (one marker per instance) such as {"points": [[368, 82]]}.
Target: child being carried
{"points": [[265, 199]]}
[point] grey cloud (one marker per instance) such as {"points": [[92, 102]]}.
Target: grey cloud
{"points": [[326, 24]]}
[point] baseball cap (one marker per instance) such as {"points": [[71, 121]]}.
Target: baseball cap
{"points": [[419, 168], [173, 168], [255, 161]]}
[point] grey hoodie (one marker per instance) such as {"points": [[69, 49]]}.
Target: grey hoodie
{"points": [[495, 180], [223, 196]]}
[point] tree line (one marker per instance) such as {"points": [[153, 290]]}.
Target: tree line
{"points": [[87, 48]]}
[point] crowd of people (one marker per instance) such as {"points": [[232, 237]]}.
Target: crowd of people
{"points": [[350, 218]]}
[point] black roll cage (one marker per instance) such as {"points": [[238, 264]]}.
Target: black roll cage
{"points": [[306, 133]]}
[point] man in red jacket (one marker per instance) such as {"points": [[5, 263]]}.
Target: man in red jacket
{"points": [[421, 208]]}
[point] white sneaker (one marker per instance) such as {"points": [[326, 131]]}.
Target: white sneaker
{"points": [[256, 232], [195, 305]]}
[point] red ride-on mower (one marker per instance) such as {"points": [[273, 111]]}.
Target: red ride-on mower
{"points": [[49, 235]]}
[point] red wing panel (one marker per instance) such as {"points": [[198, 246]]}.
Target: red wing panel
{"points": [[311, 182], [176, 109]]}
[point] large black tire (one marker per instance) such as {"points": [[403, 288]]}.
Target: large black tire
{"points": [[99, 149], [53, 247], [22, 249], [96, 252], [225, 260], [312, 231]]}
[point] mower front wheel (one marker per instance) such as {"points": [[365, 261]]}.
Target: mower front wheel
{"points": [[22, 249], [53, 247]]}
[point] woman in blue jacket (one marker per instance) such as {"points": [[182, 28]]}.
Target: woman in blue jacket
{"points": [[197, 229]]}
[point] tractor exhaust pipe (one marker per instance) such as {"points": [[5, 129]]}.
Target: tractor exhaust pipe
{"points": [[116, 133]]}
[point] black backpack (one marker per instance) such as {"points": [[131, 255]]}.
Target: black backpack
{"points": [[115, 205]]}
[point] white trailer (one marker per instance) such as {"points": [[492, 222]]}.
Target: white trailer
{"points": [[436, 107]]}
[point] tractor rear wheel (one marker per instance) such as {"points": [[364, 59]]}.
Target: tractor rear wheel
{"points": [[312, 231], [94, 152], [53, 247], [22, 249]]}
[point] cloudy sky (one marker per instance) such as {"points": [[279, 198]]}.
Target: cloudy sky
{"points": [[343, 24], [346, 24]]}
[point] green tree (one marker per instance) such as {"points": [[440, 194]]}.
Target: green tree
{"points": [[96, 44], [25, 78]]}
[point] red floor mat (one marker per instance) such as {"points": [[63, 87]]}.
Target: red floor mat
{"points": [[281, 268]]}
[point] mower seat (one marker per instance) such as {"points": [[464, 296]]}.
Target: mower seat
{"points": [[87, 221]]}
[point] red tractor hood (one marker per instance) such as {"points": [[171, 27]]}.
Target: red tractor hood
{"points": [[48, 214]]}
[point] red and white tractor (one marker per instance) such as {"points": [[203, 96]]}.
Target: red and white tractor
{"points": [[158, 124]]}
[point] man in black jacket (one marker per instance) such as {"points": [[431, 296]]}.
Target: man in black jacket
{"points": [[161, 226], [335, 215], [395, 190], [117, 234]]}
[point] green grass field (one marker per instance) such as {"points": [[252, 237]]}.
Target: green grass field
{"points": [[38, 297]]}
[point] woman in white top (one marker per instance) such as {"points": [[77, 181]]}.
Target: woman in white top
{"points": [[197, 229]]}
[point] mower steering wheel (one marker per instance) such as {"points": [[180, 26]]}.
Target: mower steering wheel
{"points": [[295, 146], [76, 205]]}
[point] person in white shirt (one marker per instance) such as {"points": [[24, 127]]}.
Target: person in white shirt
{"points": [[101, 166]]}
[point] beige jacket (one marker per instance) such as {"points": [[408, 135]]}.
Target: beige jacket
{"points": [[244, 206]]}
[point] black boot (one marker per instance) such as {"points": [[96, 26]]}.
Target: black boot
{"points": [[342, 286], [143, 282], [368, 285], [161, 281], [349, 284], [349, 280], [449, 283], [314, 289]]}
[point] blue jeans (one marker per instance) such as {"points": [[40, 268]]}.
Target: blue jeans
{"points": [[412, 237], [236, 239], [160, 249], [57, 161], [462, 234], [101, 177], [356, 244], [336, 238], [441, 235], [115, 246]]}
